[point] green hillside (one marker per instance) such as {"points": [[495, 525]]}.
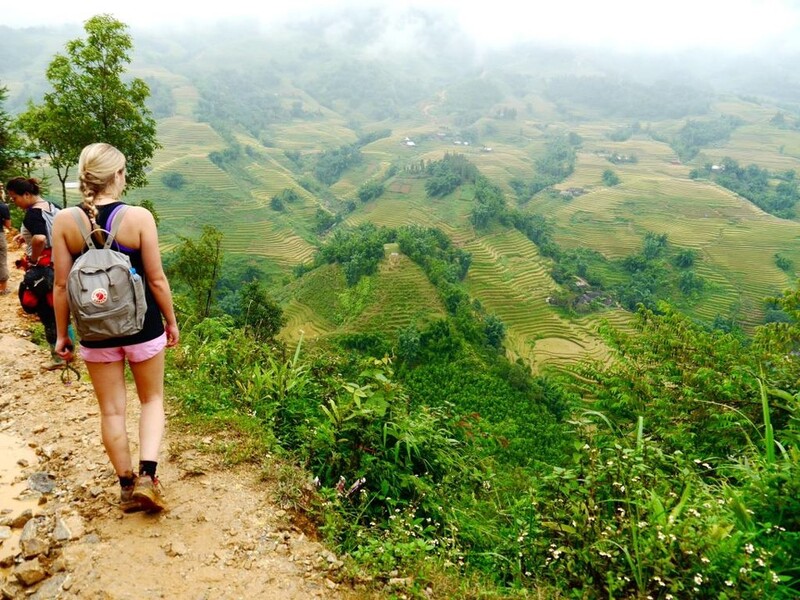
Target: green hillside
{"points": [[235, 159], [320, 304], [518, 314]]}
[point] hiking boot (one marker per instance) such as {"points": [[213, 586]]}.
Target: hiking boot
{"points": [[56, 363], [126, 501], [147, 492]]}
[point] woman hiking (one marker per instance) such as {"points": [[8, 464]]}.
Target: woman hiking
{"points": [[101, 173], [36, 235]]}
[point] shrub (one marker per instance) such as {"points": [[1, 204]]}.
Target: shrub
{"points": [[173, 180], [627, 520]]}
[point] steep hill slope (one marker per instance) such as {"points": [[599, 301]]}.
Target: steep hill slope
{"points": [[63, 535]]}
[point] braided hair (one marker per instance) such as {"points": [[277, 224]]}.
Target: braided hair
{"points": [[98, 166]]}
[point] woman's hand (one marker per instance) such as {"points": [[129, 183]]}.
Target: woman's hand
{"points": [[65, 349], [173, 335]]}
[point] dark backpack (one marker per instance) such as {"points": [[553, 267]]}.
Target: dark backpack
{"points": [[105, 294], [36, 288]]}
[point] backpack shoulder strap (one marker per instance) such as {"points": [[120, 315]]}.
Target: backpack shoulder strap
{"points": [[115, 219], [49, 215], [78, 215]]}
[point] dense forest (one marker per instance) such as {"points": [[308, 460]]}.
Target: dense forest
{"points": [[517, 323]]}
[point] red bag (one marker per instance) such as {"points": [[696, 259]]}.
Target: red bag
{"points": [[27, 299]]}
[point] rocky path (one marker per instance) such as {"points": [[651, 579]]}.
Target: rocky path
{"points": [[62, 534]]}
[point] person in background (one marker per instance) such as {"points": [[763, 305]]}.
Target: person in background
{"points": [[5, 223], [36, 234], [101, 174]]}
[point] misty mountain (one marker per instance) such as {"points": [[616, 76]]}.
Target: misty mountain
{"points": [[376, 61]]}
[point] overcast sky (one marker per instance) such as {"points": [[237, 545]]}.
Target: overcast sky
{"points": [[739, 25]]}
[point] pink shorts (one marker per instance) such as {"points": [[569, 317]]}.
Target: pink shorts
{"points": [[135, 353]]}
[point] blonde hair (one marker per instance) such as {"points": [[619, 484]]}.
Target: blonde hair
{"points": [[98, 166]]}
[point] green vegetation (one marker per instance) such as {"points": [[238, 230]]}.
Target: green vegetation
{"points": [[617, 97], [370, 190], [228, 96], [90, 102], [622, 134], [672, 470], [557, 164], [572, 394], [11, 151], [445, 175], [173, 180], [610, 178], [332, 163], [695, 135], [755, 184]]}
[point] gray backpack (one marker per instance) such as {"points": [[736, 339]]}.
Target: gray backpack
{"points": [[105, 294]]}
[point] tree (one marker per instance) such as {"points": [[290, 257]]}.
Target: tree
{"points": [[173, 180], [370, 190], [196, 268], [685, 258], [783, 263], [259, 314], [10, 144], [610, 178], [495, 330], [90, 103]]}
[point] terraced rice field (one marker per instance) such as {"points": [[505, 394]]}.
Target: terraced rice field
{"points": [[745, 255], [400, 295], [182, 136], [313, 136], [309, 303], [736, 240], [512, 280], [302, 321], [257, 236], [762, 145], [403, 296], [395, 208]]}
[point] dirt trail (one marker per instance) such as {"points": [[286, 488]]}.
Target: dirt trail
{"points": [[221, 539]]}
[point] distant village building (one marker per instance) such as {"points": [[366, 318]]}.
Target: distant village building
{"points": [[573, 192]]}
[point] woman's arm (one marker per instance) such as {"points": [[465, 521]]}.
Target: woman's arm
{"points": [[155, 277], [63, 263]]}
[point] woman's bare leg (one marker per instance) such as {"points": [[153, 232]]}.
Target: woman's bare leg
{"points": [[149, 378], [108, 380]]}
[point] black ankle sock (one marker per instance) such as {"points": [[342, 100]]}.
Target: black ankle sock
{"points": [[148, 467], [126, 481]]}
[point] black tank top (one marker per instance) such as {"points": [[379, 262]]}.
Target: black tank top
{"points": [[153, 323]]}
